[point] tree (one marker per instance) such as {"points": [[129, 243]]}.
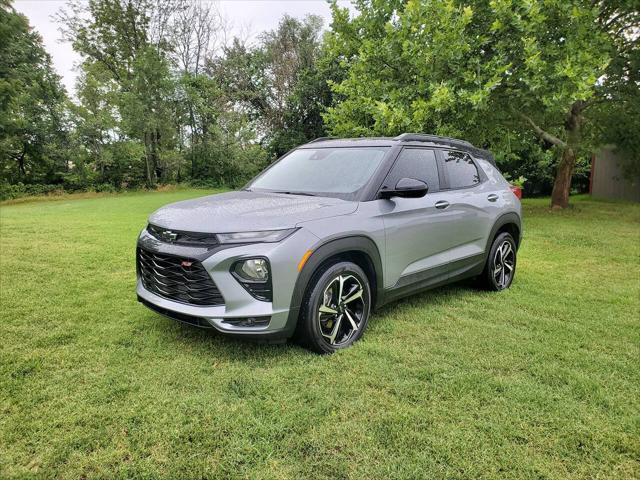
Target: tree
{"points": [[146, 109], [472, 70], [33, 129], [197, 31], [278, 83], [127, 39], [95, 116]]}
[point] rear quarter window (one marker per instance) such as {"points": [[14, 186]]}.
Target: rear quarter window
{"points": [[460, 169]]}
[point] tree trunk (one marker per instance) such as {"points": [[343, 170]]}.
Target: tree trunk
{"points": [[21, 168], [192, 126], [23, 171], [149, 161], [159, 168], [562, 182]]}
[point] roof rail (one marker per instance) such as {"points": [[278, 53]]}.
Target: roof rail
{"points": [[321, 139], [423, 137]]}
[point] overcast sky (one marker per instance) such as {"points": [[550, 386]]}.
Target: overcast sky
{"points": [[254, 16]]}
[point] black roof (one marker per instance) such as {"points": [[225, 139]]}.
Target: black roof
{"points": [[405, 138]]}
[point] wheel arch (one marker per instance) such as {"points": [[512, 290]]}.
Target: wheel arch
{"points": [[358, 249], [510, 223]]}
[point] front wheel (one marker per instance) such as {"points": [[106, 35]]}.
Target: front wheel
{"points": [[336, 308], [501, 264]]}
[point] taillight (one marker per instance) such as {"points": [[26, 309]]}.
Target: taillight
{"points": [[517, 191]]}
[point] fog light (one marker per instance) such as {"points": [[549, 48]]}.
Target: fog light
{"points": [[254, 269], [248, 322], [253, 274]]}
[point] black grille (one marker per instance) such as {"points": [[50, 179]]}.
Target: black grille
{"points": [[176, 278], [179, 237], [261, 291]]}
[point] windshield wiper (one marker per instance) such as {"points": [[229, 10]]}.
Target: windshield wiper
{"points": [[297, 193]]}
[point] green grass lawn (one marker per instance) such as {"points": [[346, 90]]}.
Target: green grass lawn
{"points": [[541, 381]]}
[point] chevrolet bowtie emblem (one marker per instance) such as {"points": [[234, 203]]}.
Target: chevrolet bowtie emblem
{"points": [[169, 236]]}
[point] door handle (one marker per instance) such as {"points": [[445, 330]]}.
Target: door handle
{"points": [[442, 204], [492, 197]]}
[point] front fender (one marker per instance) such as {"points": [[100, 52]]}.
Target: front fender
{"points": [[327, 250]]}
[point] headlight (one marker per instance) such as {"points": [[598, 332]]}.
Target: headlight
{"points": [[254, 275], [248, 237]]}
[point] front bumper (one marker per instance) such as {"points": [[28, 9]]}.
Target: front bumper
{"points": [[239, 304]]}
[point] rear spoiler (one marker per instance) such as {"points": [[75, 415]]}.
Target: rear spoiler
{"points": [[484, 155]]}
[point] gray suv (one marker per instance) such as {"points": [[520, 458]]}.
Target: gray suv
{"points": [[327, 233]]}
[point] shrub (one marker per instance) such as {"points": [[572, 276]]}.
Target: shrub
{"points": [[105, 188], [9, 192]]}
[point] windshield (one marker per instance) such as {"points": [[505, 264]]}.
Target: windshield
{"points": [[326, 172]]}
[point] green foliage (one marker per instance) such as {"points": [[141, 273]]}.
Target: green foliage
{"points": [[33, 130], [125, 64], [149, 110], [226, 165], [517, 156], [447, 68], [614, 120], [280, 82], [16, 190], [483, 71]]}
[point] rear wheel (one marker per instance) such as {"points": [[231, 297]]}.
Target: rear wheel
{"points": [[336, 308], [501, 263]]}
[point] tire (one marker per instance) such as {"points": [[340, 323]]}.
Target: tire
{"points": [[500, 268], [340, 324]]}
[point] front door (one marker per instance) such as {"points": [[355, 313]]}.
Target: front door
{"points": [[417, 230]]}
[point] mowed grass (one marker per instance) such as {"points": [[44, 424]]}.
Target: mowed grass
{"points": [[541, 381]]}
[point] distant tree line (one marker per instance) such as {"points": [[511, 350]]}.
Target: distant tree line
{"points": [[164, 96]]}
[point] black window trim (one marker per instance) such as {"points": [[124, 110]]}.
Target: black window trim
{"points": [[370, 191], [482, 177], [397, 157]]}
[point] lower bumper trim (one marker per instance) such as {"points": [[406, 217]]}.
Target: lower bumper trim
{"points": [[180, 317], [275, 336]]}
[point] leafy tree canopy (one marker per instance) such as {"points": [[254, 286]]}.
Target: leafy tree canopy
{"points": [[33, 130], [472, 69], [280, 82]]}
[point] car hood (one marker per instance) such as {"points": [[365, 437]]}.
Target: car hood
{"points": [[245, 211]]}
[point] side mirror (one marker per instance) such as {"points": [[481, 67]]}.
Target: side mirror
{"points": [[406, 188]]}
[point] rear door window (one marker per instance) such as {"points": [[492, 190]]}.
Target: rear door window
{"points": [[460, 169], [418, 163]]}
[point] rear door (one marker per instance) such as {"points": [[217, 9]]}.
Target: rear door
{"points": [[467, 203]]}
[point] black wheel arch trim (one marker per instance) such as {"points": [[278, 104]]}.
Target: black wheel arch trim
{"points": [[505, 219], [322, 253], [364, 244], [443, 275]]}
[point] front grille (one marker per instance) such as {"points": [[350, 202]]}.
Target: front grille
{"points": [[176, 278], [179, 237]]}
